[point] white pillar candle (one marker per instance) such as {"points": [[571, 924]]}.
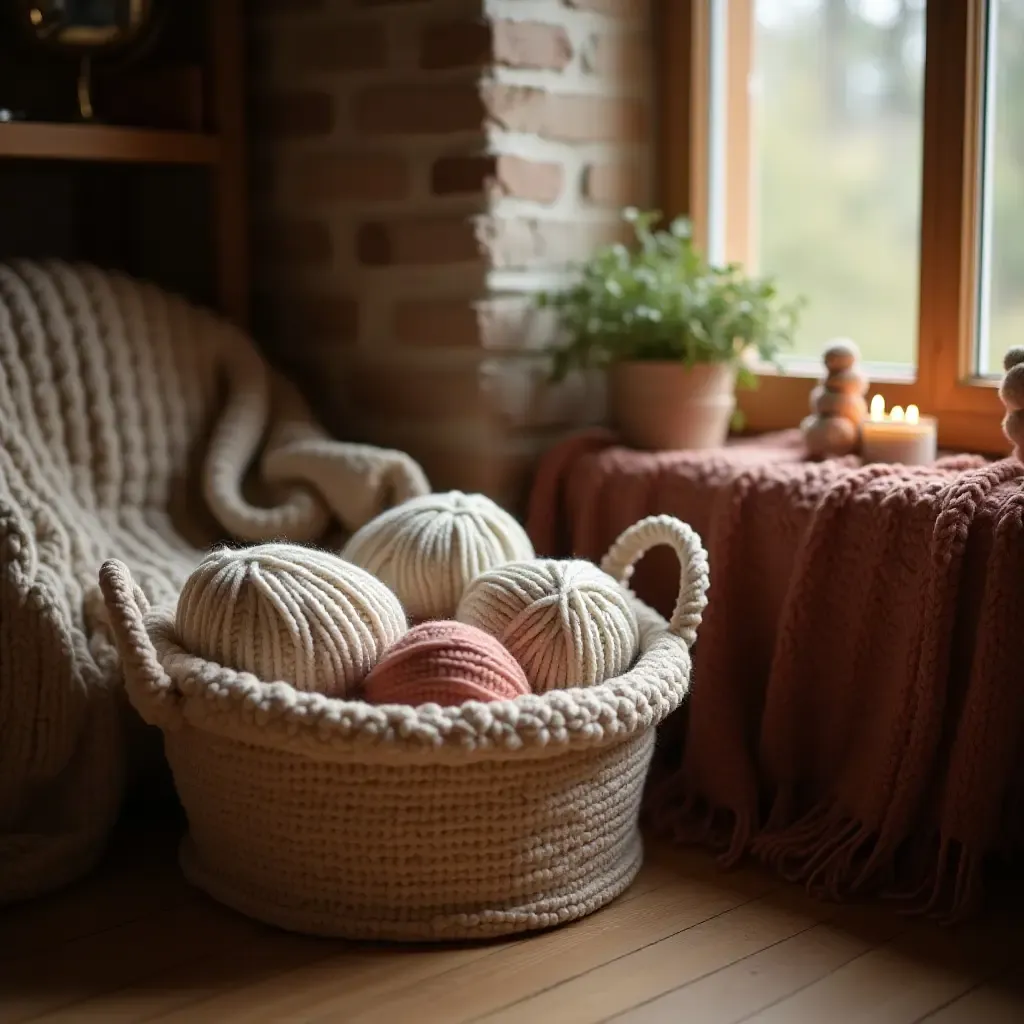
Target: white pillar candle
{"points": [[897, 436]]}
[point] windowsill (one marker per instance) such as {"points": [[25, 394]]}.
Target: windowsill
{"points": [[806, 368], [969, 420]]}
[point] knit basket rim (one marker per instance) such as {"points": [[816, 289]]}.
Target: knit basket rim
{"points": [[237, 705], [171, 687]]}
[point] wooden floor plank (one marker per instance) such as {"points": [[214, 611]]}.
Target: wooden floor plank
{"points": [[355, 976], [746, 986], [997, 1002], [660, 966], [922, 970], [137, 879], [686, 942], [535, 964], [286, 989]]}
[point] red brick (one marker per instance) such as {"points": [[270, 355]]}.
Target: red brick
{"points": [[261, 7], [539, 182], [567, 117], [530, 242], [506, 324], [299, 319], [415, 393], [354, 176], [420, 242], [419, 109], [514, 44], [531, 44], [625, 58], [295, 242], [457, 44], [520, 393], [615, 184], [503, 473], [296, 114], [515, 324], [452, 175], [356, 46], [614, 8], [438, 322]]}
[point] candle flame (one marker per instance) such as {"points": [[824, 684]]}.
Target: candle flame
{"points": [[896, 414], [913, 414], [877, 411]]}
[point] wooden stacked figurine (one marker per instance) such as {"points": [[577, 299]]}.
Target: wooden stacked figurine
{"points": [[1011, 391], [838, 405]]}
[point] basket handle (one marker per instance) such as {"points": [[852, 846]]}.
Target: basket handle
{"points": [[149, 686], [635, 542]]}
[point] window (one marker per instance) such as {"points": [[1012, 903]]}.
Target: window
{"points": [[870, 155]]}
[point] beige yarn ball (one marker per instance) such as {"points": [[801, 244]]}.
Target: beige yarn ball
{"points": [[428, 549], [288, 613], [566, 622]]}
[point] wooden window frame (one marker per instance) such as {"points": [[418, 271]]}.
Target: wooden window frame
{"points": [[944, 384]]}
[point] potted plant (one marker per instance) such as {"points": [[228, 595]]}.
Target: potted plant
{"points": [[675, 333]]}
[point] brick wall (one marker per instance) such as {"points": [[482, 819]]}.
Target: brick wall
{"points": [[420, 167]]}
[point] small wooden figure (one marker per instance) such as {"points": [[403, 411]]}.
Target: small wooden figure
{"points": [[1011, 391], [838, 405]]}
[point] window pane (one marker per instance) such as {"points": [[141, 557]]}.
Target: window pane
{"points": [[1001, 305], [838, 104]]}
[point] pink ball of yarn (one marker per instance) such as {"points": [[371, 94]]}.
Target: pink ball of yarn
{"points": [[445, 663]]}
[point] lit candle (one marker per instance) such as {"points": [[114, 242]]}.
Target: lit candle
{"points": [[901, 435]]}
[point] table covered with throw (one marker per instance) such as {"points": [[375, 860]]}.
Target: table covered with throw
{"points": [[857, 714]]}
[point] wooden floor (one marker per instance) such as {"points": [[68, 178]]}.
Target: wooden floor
{"points": [[685, 943]]}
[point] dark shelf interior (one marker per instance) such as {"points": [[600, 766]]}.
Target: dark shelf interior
{"points": [[151, 221]]}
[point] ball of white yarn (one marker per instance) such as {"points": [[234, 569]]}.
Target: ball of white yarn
{"points": [[566, 622], [428, 549], [288, 613]]}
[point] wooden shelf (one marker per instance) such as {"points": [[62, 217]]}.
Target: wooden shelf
{"points": [[36, 140]]}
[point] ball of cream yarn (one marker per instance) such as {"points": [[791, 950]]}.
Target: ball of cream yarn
{"points": [[429, 548], [566, 622], [288, 613]]}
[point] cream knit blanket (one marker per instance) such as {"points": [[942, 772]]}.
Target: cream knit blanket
{"points": [[134, 425]]}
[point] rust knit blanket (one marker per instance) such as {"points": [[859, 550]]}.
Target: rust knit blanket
{"points": [[857, 714]]}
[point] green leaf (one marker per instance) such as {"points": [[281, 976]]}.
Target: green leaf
{"points": [[660, 299]]}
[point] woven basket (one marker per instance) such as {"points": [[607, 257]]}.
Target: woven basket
{"points": [[341, 818]]}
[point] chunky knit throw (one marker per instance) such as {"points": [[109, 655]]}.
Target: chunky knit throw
{"points": [[129, 420], [857, 715]]}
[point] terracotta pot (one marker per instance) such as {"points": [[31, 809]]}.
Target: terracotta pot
{"points": [[665, 405]]}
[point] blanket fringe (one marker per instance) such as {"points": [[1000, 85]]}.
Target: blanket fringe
{"points": [[693, 821], [951, 888], [827, 851]]}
